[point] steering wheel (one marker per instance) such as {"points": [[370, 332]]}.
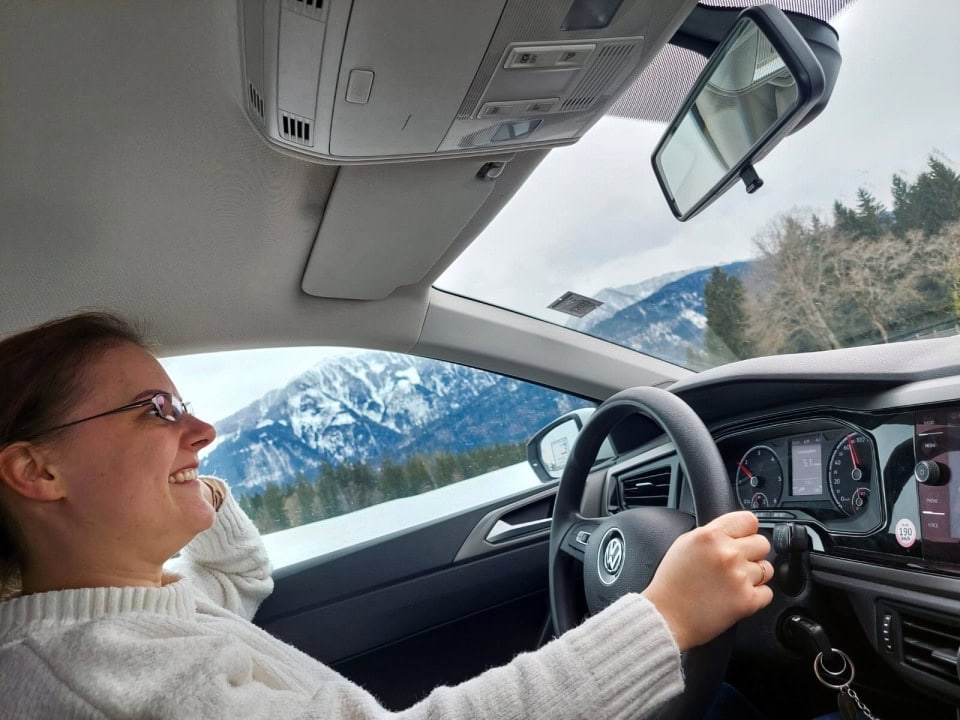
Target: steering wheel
{"points": [[623, 551]]}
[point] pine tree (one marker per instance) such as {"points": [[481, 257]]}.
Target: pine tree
{"points": [[361, 487], [418, 477], [871, 219], [446, 469], [928, 204], [725, 337], [329, 498], [247, 506], [273, 507], [393, 480], [306, 496]]}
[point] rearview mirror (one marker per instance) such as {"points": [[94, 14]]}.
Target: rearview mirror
{"points": [[758, 86]]}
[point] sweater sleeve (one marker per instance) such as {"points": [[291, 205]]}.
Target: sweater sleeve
{"points": [[619, 665], [228, 563]]}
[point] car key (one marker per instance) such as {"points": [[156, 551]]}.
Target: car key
{"points": [[848, 702]]}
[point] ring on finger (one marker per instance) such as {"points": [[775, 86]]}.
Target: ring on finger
{"points": [[763, 572]]}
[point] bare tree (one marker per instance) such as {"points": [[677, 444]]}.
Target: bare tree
{"points": [[817, 289], [790, 299]]}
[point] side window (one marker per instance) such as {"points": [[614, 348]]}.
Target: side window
{"points": [[328, 448]]}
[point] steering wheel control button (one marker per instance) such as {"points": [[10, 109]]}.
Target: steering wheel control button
{"points": [[583, 537], [611, 556]]}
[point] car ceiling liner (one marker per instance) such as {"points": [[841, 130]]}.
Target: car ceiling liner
{"points": [[361, 81], [364, 83]]}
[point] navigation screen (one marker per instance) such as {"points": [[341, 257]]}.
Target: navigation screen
{"points": [[806, 463]]}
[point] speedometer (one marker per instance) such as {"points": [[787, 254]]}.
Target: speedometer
{"points": [[759, 478], [851, 466]]}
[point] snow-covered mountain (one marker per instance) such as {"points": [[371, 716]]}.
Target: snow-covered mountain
{"points": [[616, 299], [366, 407], [370, 406], [670, 322]]}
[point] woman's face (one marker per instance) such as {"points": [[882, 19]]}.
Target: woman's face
{"points": [[118, 471]]}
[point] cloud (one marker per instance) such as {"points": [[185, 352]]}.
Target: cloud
{"points": [[592, 215]]}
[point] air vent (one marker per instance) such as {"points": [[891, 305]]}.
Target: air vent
{"points": [[610, 61], [295, 129], [256, 102], [931, 646], [310, 8], [645, 488]]}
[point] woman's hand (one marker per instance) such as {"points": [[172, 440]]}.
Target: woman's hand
{"points": [[211, 493], [711, 577]]}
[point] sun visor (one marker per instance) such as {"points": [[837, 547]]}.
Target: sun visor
{"points": [[377, 234], [370, 81]]}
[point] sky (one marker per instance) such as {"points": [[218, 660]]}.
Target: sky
{"points": [[218, 384], [592, 215]]}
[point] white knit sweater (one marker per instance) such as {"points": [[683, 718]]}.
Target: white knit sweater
{"points": [[188, 650]]}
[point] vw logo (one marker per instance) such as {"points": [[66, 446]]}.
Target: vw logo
{"points": [[610, 559], [613, 557]]}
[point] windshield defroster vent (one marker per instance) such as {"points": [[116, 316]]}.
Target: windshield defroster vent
{"points": [[295, 129], [645, 488]]}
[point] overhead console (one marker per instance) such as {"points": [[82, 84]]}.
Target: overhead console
{"points": [[371, 81]]}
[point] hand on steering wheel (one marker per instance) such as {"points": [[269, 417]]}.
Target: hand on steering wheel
{"points": [[701, 579], [723, 561]]}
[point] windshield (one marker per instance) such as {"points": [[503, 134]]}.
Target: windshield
{"points": [[853, 239]]}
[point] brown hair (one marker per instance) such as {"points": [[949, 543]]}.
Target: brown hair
{"points": [[40, 373]]}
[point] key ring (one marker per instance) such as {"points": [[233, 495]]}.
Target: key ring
{"points": [[847, 663]]}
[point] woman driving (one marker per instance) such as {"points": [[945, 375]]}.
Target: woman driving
{"points": [[99, 489]]}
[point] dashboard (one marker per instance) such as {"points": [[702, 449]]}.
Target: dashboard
{"points": [[861, 448]]}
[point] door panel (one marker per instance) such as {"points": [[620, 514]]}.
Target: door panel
{"points": [[401, 615]]}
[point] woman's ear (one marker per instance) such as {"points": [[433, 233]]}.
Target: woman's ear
{"points": [[24, 469]]}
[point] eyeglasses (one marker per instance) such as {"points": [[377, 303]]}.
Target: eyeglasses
{"points": [[165, 406]]}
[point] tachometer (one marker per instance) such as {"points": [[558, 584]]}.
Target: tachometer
{"points": [[759, 478], [851, 467]]}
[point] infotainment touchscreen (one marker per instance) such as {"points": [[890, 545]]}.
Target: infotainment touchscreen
{"points": [[937, 446]]}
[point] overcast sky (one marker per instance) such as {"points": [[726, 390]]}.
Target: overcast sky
{"points": [[592, 215]]}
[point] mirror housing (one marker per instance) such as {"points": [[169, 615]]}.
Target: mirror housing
{"points": [[759, 85], [548, 449]]}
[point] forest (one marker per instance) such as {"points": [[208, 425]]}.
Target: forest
{"points": [[340, 489], [867, 274]]}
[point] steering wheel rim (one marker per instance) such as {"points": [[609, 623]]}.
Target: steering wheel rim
{"points": [[712, 496]]}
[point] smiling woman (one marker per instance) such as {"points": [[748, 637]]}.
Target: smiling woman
{"points": [[93, 427], [99, 488]]}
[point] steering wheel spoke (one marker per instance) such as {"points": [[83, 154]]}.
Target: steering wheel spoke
{"points": [[578, 536], [601, 559]]}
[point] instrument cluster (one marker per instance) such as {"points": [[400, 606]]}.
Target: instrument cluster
{"points": [[823, 469]]}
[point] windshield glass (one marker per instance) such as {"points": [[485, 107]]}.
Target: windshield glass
{"points": [[853, 239]]}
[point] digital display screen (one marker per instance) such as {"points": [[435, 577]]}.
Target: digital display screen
{"points": [[938, 441], [806, 463]]}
